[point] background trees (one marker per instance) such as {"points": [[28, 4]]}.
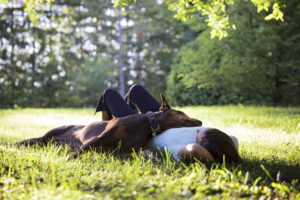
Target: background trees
{"points": [[70, 54], [256, 63], [217, 13]]}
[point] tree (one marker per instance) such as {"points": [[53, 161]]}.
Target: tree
{"points": [[31, 6], [27, 62], [218, 18], [72, 49], [257, 62], [216, 11], [40, 62], [151, 42]]}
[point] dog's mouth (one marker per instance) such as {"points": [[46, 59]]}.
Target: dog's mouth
{"points": [[198, 122], [192, 122]]}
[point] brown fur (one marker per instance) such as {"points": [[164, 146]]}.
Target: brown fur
{"points": [[132, 131]]}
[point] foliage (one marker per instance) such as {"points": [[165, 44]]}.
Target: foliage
{"points": [[72, 49], [268, 144], [258, 62], [70, 54], [180, 95], [218, 16], [118, 3], [186, 87], [31, 6], [92, 80]]}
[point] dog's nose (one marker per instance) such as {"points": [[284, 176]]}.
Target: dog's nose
{"points": [[198, 122], [189, 122]]}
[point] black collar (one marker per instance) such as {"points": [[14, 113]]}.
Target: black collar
{"points": [[153, 124]]}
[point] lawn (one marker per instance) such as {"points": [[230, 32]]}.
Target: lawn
{"points": [[269, 145]]}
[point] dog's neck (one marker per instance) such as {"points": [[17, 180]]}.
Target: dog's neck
{"points": [[161, 120], [155, 128]]}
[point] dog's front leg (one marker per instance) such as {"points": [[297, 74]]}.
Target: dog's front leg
{"points": [[93, 143], [85, 147], [106, 138]]}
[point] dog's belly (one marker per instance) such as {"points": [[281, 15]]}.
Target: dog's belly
{"points": [[70, 137], [92, 130]]}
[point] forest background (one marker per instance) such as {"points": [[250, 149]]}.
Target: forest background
{"points": [[71, 53]]}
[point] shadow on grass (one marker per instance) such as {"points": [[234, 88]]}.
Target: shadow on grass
{"points": [[266, 169], [278, 171]]}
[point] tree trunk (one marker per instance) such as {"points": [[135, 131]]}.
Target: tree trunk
{"points": [[121, 63]]}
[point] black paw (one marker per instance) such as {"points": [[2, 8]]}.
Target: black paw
{"points": [[74, 155]]}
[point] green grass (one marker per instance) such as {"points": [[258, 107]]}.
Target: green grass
{"points": [[269, 144]]}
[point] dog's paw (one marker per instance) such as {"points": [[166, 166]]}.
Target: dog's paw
{"points": [[74, 155]]}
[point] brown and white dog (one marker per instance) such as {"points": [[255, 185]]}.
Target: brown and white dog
{"points": [[132, 131]]}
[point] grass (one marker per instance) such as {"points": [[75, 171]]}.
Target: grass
{"points": [[269, 144]]}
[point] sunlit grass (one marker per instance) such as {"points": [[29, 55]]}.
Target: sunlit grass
{"points": [[269, 145]]}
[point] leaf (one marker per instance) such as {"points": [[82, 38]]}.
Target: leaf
{"points": [[269, 17], [266, 171]]}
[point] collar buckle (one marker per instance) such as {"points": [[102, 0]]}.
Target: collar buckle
{"points": [[153, 124]]}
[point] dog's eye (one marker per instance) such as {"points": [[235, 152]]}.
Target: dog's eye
{"points": [[185, 120], [180, 113]]}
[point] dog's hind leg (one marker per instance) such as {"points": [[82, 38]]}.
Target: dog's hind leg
{"points": [[106, 139], [47, 137], [31, 141]]}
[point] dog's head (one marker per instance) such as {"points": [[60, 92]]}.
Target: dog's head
{"points": [[170, 118]]}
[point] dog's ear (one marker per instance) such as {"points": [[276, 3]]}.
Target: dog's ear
{"points": [[164, 103]]}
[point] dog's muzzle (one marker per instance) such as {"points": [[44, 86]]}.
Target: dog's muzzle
{"points": [[153, 124]]}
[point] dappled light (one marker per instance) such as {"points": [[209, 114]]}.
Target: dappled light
{"points": [[271, 162], [227, 73]]}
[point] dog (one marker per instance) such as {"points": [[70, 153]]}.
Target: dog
{"points": [[129, 133]]}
